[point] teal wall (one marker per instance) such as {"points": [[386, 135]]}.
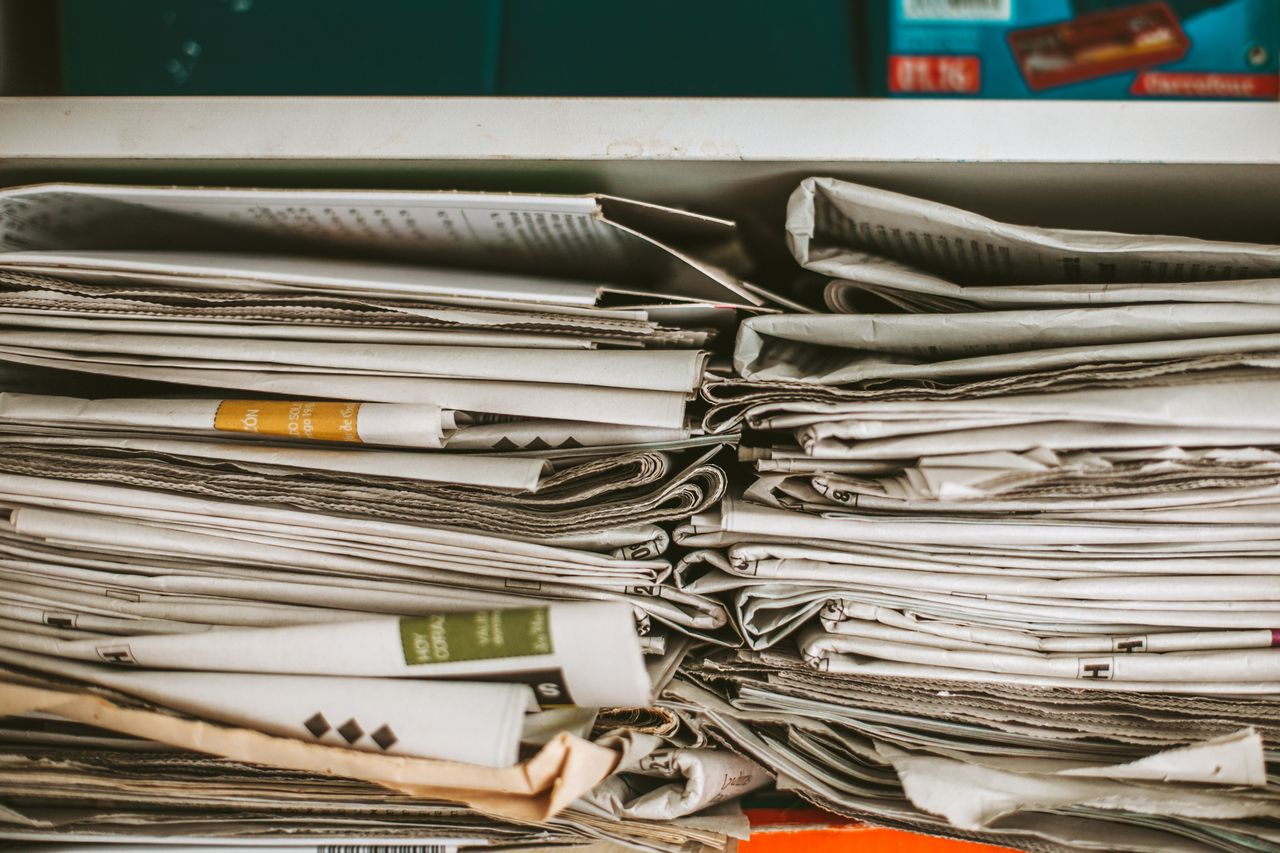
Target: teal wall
{"points": [[466, 47]]}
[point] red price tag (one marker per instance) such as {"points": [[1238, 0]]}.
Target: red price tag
{"points": [[1170, 84], [941, 74]]}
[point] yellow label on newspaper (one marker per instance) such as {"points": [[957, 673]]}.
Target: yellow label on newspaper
{"points": [[290, 418]]}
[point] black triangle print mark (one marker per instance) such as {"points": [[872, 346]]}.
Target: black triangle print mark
{"points": [[537, 444], [570, 442], [505, 443], [351, 731], [317, 724], [384, 737]]}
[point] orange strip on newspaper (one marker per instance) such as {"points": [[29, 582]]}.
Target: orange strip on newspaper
{"points": [[290, 419]]}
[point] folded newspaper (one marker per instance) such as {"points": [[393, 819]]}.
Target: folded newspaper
{"points": [[921, 255], [96, 786], [143, 235]]}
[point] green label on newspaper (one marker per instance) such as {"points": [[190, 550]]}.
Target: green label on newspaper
{"points": [[476, 636]]}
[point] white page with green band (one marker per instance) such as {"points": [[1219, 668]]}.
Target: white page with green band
{"points": [[476, 723], [584, 654]]}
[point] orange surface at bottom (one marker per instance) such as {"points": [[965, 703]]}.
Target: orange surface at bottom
{"points": [[812, 831]]}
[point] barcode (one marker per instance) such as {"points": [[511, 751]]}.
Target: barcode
{"points": [[387, 848], [956, 10]]}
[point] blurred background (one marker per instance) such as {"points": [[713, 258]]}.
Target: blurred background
{"points": [[1078, 49]]}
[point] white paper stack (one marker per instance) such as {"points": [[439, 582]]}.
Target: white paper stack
{"points": [[1005, 472], [371, 483], [581, 320], [1084, 494]]}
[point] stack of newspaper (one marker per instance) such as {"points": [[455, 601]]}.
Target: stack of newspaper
{"points": [[343, 514], [374, 514], [158, 284], [1015, 764], [1052, 484], [63, 780], [555, 430]]}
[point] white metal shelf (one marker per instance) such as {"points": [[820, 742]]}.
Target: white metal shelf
{"points": [[726, 130]]}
